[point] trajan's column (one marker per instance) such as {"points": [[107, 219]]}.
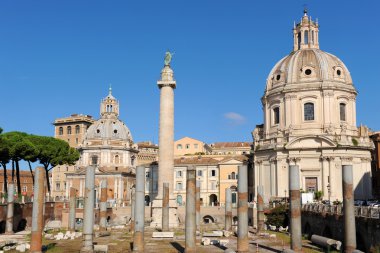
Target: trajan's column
{"points": [[167, 84]]}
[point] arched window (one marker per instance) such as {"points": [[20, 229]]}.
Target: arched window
{"points": [[312, 37], [69, 130], [60, 131], [308, 110], [233, 175], [299, 40], [77, 129], [276, 115], [110, 108], [342, 110], [306, 37]]}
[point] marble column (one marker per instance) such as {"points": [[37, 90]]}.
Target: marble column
{"points": [[167, 84]]}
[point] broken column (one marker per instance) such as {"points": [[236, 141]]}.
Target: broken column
{"points": [[228, 210], [103, 205], [133, 203], [242, 240], [260, 208], [10, 208], [198, 205], [295, 208], [72, 208], [165, 207], [138, 237], [190, 223], [348, 209], [37, 213], [88, 216]]}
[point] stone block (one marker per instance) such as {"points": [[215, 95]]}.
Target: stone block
{"points": [[98, 248], [54, 224], [227, 233], [163, 235], [206, 241], [213, 234], [224, 242]]}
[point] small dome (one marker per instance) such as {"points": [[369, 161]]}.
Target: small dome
{"points": [[108, 129], [308, 65]]}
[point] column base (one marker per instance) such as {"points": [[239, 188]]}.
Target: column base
{"points": [[157, 214]]}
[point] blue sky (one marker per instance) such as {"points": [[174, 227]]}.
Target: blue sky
{"points": [[59, 57]]}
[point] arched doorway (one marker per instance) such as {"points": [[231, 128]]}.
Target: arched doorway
{"points": [[213, 200], [179, 200]]}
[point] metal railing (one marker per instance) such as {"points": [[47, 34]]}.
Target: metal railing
{"points": [[360, 211]]}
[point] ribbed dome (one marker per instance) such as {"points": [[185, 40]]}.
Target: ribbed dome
{"points": [[308, 65], [108, 129]]}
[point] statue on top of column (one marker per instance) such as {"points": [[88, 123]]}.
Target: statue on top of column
{"points": [[168, 58]]}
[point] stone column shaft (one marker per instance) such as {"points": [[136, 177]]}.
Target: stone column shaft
{"points": [[133, 203], [242, 240], [228, 214], [165, 207], [166, 139], [198, 205], [190, 226], [260, 208], [72, 208], [295, 208], [10, 208], [103, 205], [138, 237], [88, 216], [37, 214], [348, 210]]}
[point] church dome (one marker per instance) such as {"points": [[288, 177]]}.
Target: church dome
{"points": [[108, 129], [308, 65]]}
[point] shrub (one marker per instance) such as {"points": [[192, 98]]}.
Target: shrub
{"points": [[278, 216]]}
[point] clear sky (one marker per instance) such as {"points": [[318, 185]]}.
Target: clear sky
{"points": [[59, 57]]}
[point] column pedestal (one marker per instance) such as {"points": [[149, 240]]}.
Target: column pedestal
{"points": [[157, 214]]}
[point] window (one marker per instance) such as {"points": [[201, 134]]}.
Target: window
{"points": [[77, 129], [179, 186], [69, 130], [233, 175], [57, 186], [342, 109], [147, 174], [213, 173], [179, 146], [179, 173], [308, 72], [308, 110], [187, 146], [195, 146], [24, 188], [117, 159], [199, 173], [306, 38], [76, 140], [60, 131], [94, 160], [276, 115]]}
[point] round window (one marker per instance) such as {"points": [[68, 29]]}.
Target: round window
{"points": [[115, 131], [278, 77], [98, 131], [308, 72], [338, 72]]}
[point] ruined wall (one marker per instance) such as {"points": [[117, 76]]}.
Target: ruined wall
{"points": [[332, 226]]}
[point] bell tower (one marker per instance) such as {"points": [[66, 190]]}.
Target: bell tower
{"points": [[109, 106], [305, 33]]}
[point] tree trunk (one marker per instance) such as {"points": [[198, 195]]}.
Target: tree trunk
{"points": [[13, 171], [31, 171], [18, 178], [47, 180], [5, 178]]}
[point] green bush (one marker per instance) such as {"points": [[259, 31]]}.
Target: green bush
{"points": [[278, 216], [355, 142]]}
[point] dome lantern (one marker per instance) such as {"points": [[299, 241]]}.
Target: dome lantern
{"points": [[109, 106], [305, 33]]}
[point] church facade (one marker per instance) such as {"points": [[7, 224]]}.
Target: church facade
{"points": [[309, 107], [108, 144]]}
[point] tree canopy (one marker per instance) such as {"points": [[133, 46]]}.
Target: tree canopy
{"points": [[48, 151]]}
